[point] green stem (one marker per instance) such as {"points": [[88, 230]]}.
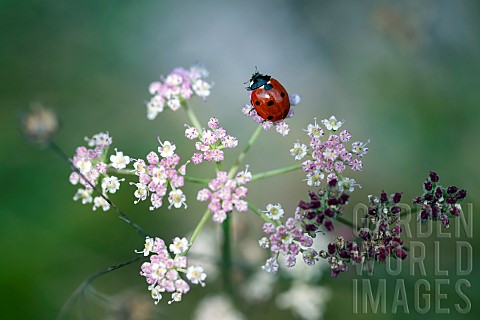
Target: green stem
{"points": [[120, 214], [219, 166], [76, 294], [275, 172], [196, 180], [191, 115], [242, 155], [260, 213], [227, 256], [197, 230], [344, 221], [121, 171]]}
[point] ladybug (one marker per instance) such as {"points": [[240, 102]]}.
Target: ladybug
{"points": [[268, 97]]}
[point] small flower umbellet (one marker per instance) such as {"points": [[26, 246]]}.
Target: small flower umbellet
{"points": [[163, 272], [210, 142], [439, 203], [322, 208], [177, 87], [379, 238], [93, 166], [156, 175], [225, 194], [331, 157], [288, 240]]}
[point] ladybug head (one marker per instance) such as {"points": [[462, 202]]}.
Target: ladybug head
{"points": [[257, 80]]}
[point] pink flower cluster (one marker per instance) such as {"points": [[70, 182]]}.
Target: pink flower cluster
{"points": [[91, 164], [288, 240], [280, 126], [225, 194], [330, 157], [155, 175], [178, 86], [163, 272], [210, 142]]}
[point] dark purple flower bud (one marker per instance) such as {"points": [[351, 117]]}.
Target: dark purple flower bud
{"points": [[434, 212], [310, 228], [397, 197], [344, 254], [310, 215], [315, 204], [351, 245], [320, 218], [418, 200], [304, 205], [389, 250], [332, 201], [452, 189], [438, 193], [461, 194], [312, 195], [445, 221], [433, 176], [397, 230], [331, 248], [395, 209], [364, 234], [335, 272], [428, 197], [451, 200], [455, 211], [382, 226], [383, 196], [424, 215], [401, 254], [328, 225], [357, 259], [328, 212], [397, 241], [387, 240], [332, 183], [381, 256], [343, 198], [372, 212], [428, 185]]}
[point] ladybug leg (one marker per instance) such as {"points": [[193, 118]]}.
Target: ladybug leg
{"points": [[251, 108]]}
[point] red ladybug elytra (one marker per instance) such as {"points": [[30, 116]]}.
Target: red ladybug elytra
{"points": [[269, 97]]}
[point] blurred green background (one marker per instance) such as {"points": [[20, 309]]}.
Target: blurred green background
{"points": [[404, 74]]}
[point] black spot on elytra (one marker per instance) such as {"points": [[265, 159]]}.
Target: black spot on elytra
{"points": [[270, 103], [257, 103], [282, 94], [270, 117]]}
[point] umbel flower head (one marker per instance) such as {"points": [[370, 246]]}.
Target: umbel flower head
{"points": [[93, 165], [287, 240], [322, 208], [225, 194], [329, 155], [163, 272], [157, 174], [439, 203], [210, 142], [178, 86], [380, 237]]}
